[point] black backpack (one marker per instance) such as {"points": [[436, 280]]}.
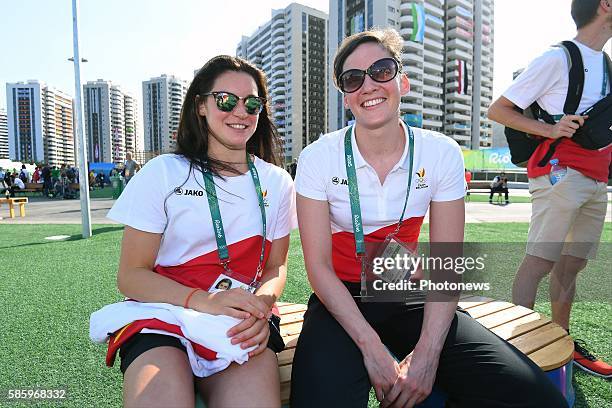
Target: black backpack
{"points": [[596, 132]]}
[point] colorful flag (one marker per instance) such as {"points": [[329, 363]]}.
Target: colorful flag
{"points": [[418, 23]]}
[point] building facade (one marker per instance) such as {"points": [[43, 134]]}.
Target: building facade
{"points": [[443, 41], [291, 49], [162, 101], [40, 124], [110, 126], [4, 149]]}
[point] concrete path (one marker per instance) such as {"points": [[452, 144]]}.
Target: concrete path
{"points": [[42, 211]]}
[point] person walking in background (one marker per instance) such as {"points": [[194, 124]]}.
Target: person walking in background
{"points": [[567, 217], [130, 168]]}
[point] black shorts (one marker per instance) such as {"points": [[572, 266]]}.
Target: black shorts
{"points": [[141, 342]]}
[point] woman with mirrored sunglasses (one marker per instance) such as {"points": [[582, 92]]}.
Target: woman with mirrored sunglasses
{"points": [[217, 212], [362, 194]]}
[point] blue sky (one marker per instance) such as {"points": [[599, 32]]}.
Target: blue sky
{"points": [[129, 41]]}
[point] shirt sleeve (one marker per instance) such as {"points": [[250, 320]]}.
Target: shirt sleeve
{"points": [[310, 177], [537, 79], [450, 180], [141, 204], [286, 220]]}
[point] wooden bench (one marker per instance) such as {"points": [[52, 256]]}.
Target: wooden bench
{"points": [[31, 188], [21, 201], [543, 341]]}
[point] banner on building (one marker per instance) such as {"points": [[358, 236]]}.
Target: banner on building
{"points": [[463, 78], [488, 159], [418, 23], [357, 23]]}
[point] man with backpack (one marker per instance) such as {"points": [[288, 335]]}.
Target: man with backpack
{"points": [[568, 210]]}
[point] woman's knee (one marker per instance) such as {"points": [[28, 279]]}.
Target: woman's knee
{"points": [[159, 377]]}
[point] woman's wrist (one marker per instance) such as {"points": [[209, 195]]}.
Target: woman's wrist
{"points": [[368, 341], [200, 301]]}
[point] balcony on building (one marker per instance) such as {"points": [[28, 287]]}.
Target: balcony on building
{"points": [[432, 111], [412, 71], [278, 49], [410, 46], [434, 80], [433, 32], [410, 107], [433, 45], [466, 4], [431, 68], [278, 65], [458, 54], [434, 102], [434, 10], [436, 56], [432, 90], [412, 59], [459, 44]]}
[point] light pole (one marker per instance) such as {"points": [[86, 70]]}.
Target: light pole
{"points": [[78, 127]]}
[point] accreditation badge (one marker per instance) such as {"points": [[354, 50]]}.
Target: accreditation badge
{"points": [[231, 280], [396, 259]]}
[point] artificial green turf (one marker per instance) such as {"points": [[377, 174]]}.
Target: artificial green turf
{"points": [[484, 198], [49, 289]]}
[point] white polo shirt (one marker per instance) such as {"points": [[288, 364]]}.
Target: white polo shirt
{"points": [[165, 197], [321, 175]]}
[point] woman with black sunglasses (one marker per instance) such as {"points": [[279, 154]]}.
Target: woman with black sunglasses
{"points": [[363, 192], [217, 210]]}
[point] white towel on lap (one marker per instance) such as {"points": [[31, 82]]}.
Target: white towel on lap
{"points": [[204, 329]]}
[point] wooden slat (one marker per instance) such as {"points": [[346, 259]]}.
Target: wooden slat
{"points": [[291, 309], [287, 318], [538, 338], [285, 393], [488, 308], [285, 373], [285, 357], [504, 316], [520, 326], [291, 329], [554, 355], [472, 301]]}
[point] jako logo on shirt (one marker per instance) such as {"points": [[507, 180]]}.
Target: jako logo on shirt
{"points": [[421, 181], [336, 180], [188, 192]]}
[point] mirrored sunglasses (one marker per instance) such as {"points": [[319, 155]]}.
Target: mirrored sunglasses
{"points": [[227, 101]]}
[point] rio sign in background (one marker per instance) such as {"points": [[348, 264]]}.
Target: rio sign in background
{"points": [[488, 159]]}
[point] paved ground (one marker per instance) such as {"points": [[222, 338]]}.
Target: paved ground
{"points": [[41, 211]]}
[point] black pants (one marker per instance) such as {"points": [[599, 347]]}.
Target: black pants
{"points": [[499, 189], [477, 368]]}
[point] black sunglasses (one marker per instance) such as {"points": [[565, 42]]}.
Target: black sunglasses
{"points": [[383, 70], [227, 101]]}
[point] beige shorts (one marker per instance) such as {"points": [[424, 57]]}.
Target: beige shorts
{"points": [[567, 218]]}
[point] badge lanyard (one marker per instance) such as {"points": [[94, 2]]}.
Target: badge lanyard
{"points": [[349, 161], [215, 214]]}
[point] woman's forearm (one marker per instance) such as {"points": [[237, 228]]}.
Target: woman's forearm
{"points": [[339, 302], [145, 285]]}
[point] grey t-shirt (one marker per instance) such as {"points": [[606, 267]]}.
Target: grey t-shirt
{"points": [[130, 168]]}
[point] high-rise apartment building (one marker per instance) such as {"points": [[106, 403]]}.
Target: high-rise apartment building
{"points": [[109, 121], [444, 40], [40, 124], [291, 49], [4, 150], [162, 99]]}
